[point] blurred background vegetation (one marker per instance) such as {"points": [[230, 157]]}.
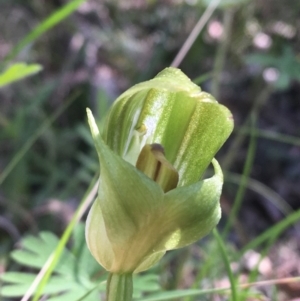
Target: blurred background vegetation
{"points": [[247, 55]]}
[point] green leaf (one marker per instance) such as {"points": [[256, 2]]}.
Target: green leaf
{"points": [[70, 276], [77, 275], [18, 71], [56, 284], [17, 277], [36, 251], [146, 283]]}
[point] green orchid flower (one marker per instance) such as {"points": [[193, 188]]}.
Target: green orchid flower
{"points": [[158, 140]]}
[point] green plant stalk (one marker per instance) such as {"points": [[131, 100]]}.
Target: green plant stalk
{"points": [[202, 78], [222, 51], [119, 287], [244, 180], [262, 189], [271, 135], [233, 284], [259, 102], [54, 258], [254, 272], [270, 236], [275, 231]]}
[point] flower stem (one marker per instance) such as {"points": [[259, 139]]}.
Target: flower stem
{"points": [[119, 287]]}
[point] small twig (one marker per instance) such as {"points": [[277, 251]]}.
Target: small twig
{"points": [[195, 32], [270, 282]]}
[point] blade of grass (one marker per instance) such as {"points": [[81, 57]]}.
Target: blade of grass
{"points": [[220, 242], [274, 231], [200, 79], [272, 135], [55, 18], [244, 179], [234, 147], [222, 51], [254, 273], [270, 237], [19, 155], [266, 250], [17, 72], [42, 278], [263, 190]]}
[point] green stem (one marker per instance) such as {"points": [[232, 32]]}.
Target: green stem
{"points": [[119, 287], [222, 51]]}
